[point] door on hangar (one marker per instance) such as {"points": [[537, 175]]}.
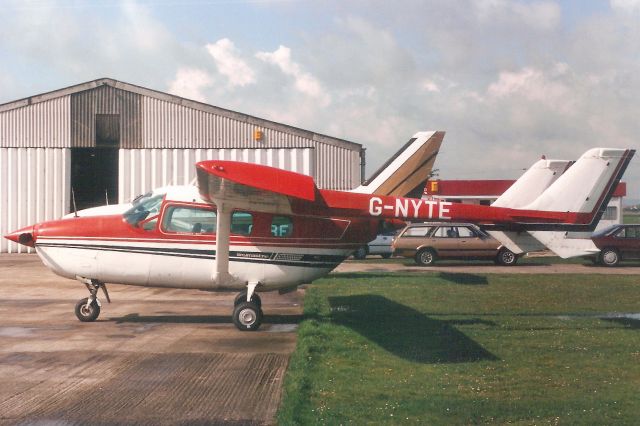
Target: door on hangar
{"points": [[94, 171]]}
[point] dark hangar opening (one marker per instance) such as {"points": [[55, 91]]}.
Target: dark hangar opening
{"points": [[94, 171]]}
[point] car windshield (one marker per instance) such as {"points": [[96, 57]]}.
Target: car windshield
{"points": [[605, 231], [145, 206]]}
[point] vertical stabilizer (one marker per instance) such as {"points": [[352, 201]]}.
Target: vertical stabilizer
{"points": [[524, 191], [585, 188], [406, 173]]}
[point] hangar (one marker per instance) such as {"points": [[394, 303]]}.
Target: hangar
{"points": [[108, 141]]}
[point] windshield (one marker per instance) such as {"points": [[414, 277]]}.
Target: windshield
{"points": [[143, 207]]}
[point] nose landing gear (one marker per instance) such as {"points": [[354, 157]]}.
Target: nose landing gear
{"points": [[88, 309]]}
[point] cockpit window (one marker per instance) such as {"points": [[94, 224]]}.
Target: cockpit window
{"points": [[192, 220], [143, 207]]}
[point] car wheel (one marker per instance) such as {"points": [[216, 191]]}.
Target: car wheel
{"points": [[386, 255], [425, 257], [361, 253], [609, 257], [506, 257]]}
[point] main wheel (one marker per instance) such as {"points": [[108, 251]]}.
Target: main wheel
{"points": [[361, 253], [506, 257], [609, 257], [247, 316], [425, 257], [87, 313], [242, 297]]}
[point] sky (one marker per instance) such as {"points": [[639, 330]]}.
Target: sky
{"points": [[508, 81]]}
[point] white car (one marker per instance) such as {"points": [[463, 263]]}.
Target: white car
{"points": [[380, 246]]}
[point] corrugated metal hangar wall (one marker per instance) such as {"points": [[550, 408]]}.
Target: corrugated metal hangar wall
{"points": [[122, 140]]}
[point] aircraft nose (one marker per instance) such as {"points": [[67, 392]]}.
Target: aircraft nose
{"points": [[24, 236]]}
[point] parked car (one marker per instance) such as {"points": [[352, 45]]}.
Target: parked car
{"points": [[381, 245], [427, 242], [616, 243]]}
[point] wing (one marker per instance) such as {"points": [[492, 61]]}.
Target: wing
{"points": [[253, 186]]}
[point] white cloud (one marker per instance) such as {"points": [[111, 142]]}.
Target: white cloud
{"points": [[531, 84], [626, 6], [230, 64], [304, 82], [190, 83], [539, 15]]}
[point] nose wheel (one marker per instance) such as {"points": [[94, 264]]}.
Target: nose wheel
{"points": [[88, 309]]}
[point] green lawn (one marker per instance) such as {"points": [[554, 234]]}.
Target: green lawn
{"points": [[446, 348], [631, 218]]}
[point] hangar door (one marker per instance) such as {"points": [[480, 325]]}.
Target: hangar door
{"points": [[94, 171]]}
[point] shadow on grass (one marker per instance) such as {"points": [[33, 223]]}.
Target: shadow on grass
{"points": [[463, 278], [407, 333], [200, 319], [360, 275], [626, 322]]}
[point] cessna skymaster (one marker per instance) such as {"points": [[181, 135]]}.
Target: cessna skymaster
{"points": [[252, 228]]}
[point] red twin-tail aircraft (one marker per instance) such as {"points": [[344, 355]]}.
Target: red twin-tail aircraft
{"points": [[252, 228]]}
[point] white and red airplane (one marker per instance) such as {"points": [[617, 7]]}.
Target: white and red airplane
{"points": [[252, 228]]}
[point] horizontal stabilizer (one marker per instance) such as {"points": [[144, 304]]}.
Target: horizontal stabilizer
{"points": [[565, 247]]}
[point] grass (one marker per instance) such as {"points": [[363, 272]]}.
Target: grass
{"points": [[631, 218], [448, 348]]}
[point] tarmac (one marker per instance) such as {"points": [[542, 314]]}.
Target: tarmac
{"points": [[154, 356]]}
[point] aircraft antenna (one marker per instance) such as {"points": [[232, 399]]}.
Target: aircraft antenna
{"points": [[106, 196], [73, 199]]}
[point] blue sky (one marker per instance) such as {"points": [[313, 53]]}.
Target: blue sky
{"points": [[508, 80]]}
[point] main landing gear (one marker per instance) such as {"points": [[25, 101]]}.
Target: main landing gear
{"points": [[88, 309], [247, 315]]}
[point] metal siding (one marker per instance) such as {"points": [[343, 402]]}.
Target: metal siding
{"points": [[168, 125], [45, 124], [105, 100], [34, 187], [141, 170]]}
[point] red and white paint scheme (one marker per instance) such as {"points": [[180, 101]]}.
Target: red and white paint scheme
{"points": [[252, 228]]}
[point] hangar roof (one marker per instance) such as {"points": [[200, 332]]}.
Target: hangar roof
{"points": [[35, 99]]}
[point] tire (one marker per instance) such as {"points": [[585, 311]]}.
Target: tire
{"points": [[242, 297], [361, 253], [425, 257], [609, 257], [506, 257], [386, 255], [247, 316], [85, 314]]}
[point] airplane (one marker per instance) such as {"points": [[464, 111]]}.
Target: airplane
{"points": [[252, 228]]}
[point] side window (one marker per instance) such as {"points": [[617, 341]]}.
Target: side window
{"points": [[190, 220], [241, 223], [633, 232], [281, 226], [446, 232], [464, 232], [418, 231]]}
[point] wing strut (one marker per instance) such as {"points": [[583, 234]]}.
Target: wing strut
{"points": [[220, 275]]}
